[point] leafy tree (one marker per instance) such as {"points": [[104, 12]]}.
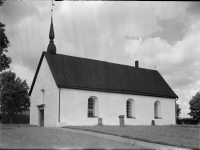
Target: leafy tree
{"points": [[15, 98], [195, 107], [4, 43], [178, 110], [1, 2]]}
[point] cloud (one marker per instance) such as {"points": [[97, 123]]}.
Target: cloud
{"points": [[13, 11], [178, 20], [79, 27], [182, 55], [169, 27], [23, 73], [194, 8]]}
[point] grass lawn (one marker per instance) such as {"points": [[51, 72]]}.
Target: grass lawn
{"points": [[174, 135], [19, 136]]}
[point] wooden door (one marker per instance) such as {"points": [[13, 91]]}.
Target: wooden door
{"points": [[42, 117]]}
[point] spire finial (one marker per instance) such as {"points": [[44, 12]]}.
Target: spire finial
{"points": [[52, 9], [51, 47]]}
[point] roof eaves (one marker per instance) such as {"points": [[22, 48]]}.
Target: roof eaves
{"points": [[118, 91]]}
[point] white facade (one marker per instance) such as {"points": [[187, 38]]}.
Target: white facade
{"points": [[49, 97], [70, 106]]}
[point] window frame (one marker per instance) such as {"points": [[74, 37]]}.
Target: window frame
{"points": [[129, 109], [91, 108], [130, 112], [157, 110]]}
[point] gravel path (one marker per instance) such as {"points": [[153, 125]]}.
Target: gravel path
{"points": [[56, 138]]}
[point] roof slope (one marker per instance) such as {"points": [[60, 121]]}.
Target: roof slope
{"points": [[82, 73]]}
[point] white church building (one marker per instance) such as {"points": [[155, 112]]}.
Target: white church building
{"points": [[68, 90]]}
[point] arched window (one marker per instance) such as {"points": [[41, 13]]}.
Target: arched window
{"points": [[157, 110], [91, 107], [128, 109]]}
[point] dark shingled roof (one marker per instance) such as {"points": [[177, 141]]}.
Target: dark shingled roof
{"points": [[88, 74]]}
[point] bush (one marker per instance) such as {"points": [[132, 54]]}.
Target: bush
{"points": [[189, 121], [17, 119]]}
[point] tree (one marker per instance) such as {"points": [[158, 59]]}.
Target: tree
{"points": [[4, 43], [15, 98], [1, 2], [195, 107], [178, 110]]}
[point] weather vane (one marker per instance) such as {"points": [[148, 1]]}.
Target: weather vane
{"points": [[52, 8]]}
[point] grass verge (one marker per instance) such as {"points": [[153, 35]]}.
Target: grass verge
{"points": [[173, 135]]}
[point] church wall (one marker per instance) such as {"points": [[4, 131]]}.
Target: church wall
{"points": [[74, 105], [74, 108], [49, 97]]}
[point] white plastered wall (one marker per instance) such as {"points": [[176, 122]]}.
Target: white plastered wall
{"points": [[74, 104], [44, 81]]}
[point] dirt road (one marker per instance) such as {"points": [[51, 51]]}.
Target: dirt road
{"points": [[48, 138]]}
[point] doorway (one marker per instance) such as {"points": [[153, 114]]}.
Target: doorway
{"points": [[41, 113]]}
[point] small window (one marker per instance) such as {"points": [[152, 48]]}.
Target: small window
{"points": [[128, 109], [42, 97], [91, 107], [157, 110]]}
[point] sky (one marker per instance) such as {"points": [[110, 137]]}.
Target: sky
{"points": [[161, 35]]}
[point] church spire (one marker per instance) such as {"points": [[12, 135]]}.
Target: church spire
{"points": [[51, 32], [51, 47]]}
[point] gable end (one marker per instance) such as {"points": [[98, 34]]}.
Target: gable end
{"points": [[36, 73]]}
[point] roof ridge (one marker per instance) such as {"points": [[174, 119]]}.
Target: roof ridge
{"points": [[104, 61]]}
